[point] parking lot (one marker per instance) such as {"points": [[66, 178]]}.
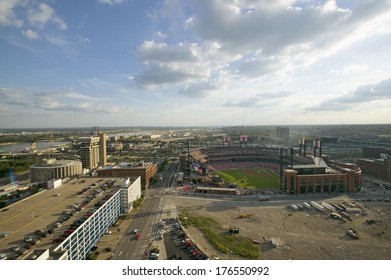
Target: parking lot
{"points": [[47, 218]]}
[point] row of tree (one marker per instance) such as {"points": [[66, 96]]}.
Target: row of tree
{"points": [[7, 168]]}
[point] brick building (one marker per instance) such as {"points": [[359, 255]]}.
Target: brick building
{"points": [[321, 177], [145, 170]]}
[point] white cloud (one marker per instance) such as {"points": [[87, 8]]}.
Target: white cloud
{"points": [[265, 99], [152, 52], [95, 83], [365, 95], [61, 100], [7, 13], [112, 2], [162, 75], [300, 36], [30, 34], [349, 69], [257, 39], [198, 90], [44, 14]]}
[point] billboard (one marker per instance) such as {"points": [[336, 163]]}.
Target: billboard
{"points": [[196, 168], [226, 138], [316, 143]]}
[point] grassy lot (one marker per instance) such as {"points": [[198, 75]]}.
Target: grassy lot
{"points": [[250, 178], [225, 242]]}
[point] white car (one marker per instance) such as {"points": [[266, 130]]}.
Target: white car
{"points": [[57, 225], [3, 256]]}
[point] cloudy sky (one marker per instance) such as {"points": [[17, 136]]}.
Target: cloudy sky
{"points": [[194, 62]]}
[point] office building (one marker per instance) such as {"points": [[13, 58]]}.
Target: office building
{"points": [[376, 152], [378, 168], [283, 134], [89, 152], [130, 192], [145, 170], [320, 177]]}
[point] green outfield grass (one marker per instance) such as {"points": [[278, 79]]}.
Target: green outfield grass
{"points": [[250, 178]]}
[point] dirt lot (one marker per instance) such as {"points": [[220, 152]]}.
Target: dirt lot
{"points": [[301, 235]]}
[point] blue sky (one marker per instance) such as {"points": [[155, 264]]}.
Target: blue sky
{"points": [[194, 63]]}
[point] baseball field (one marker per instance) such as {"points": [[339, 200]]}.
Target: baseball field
{"points": [[250, 178]]}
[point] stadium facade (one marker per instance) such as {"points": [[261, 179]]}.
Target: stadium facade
{"points": [[54, 169]]}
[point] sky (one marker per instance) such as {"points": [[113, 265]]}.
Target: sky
{"points": [[194, 63]]}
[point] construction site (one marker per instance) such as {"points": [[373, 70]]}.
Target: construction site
{"points": [[338, 228]]}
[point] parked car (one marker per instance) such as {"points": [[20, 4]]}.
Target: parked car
{"points": [[15, 248], [28, 238], [35, 241], [21, 251]]}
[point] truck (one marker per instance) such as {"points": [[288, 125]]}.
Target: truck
{"points": [[294, 207], [335, 216], [307, 205], [317, 206], [338, 208], [351, 232], [346, 215], [343, 207], [328, 206]]}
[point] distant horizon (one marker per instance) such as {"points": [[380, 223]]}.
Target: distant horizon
{"points": [[190, 126]]}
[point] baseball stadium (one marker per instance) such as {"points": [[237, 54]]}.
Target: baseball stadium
{"points": [[274, 167]]}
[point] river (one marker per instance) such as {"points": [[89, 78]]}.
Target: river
{"points": [[21, 147]]}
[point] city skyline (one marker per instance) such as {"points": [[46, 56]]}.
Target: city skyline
{"points": [[194, 63]]}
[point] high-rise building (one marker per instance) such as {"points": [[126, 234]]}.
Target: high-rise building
{"points": [[89, 152], [102, 149], [283, 133]]}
